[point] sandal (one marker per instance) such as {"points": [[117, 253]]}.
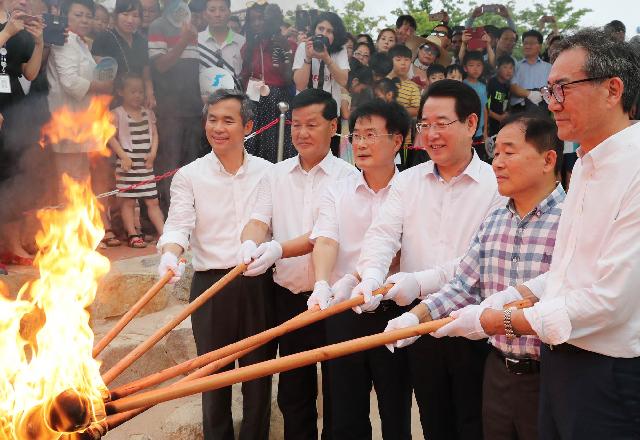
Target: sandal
{"points": [[136, 241], [110, 241]]}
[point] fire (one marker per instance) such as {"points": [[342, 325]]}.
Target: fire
{"points": [[49, 381], [91, 128]]}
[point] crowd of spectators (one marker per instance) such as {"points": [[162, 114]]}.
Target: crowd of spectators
{"points": [[171, 56]]}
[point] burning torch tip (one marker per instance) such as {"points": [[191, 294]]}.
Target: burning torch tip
{"points": [[69, 412]]}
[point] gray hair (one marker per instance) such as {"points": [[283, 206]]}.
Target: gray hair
{"points": [[246, 105], [607, 58]]}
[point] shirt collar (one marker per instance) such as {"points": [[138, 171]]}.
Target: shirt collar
{"points": [[326, 164], [230, 38], [246, 158], [361, 182], [552, 200], [610, 147], [524, 61], [472, 170]]}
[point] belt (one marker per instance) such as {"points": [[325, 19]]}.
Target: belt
{"points": [[519, 366], [565, 348]]}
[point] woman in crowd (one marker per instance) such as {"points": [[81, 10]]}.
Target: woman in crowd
{"points": [[362, 52], [428, 53], [267, 57], [364, 38], [386, 40], [101, 21]]}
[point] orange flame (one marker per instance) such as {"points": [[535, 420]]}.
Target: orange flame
{"points": [[45, 339], [91, 128]]}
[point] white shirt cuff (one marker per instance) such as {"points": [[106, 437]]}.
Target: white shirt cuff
{"points": [[374, 274], [261, 218], [550, 320], [315, 234], [174, 237], [537, 285]]}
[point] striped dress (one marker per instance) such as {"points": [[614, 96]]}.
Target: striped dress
{"points": [[137, 146]]}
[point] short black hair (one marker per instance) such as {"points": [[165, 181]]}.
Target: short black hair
{"points": [[367, 45], [533, 33], [540, 131], [65, 6], [400, 50], [492, 30], [316, 96], [449, 31], [472, 56], [127, 6], [381, 64], [451, 67], [246, 105], [386, 85], [339, 31], [502, 30], [367, 36], [615, 26], [505, 59], [406, 19], [466, 99], [607, 58], [396, 116], [363, 74], [436, 68], [122, 79]]}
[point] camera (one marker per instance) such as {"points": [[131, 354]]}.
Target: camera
{"points": [[320, 43]]}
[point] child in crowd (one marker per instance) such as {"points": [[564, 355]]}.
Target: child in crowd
{"points": [[474, 66], [498, 93], [381, 65], [408, 91], [455, 71], [136, 145], [386, 90], [435, 73], [101, 20]]}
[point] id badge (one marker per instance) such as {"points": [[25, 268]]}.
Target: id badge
{"points": [[5, 84]]}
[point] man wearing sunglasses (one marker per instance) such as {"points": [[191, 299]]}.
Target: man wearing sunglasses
{"points": [[443, 32], [587, 312]]}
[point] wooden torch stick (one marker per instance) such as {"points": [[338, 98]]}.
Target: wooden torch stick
{"points": [[136, 353], [252, 342], [270, 367], [127, 317]]}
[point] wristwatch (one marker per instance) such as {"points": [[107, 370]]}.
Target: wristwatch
{"points": [[307, 62], [508, 325]]}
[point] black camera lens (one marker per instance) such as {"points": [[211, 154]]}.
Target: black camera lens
{"points": [[320, 43]]}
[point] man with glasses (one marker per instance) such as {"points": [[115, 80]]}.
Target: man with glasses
{"points": [[587, 312], [346, 211], [443, 32], [531, 74], [286, 209], [432, 212]]}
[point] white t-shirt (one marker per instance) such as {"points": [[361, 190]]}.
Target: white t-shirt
{"points": [[340, 59]]}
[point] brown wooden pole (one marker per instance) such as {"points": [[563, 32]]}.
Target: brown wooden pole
{"points": [[127, 317], [255, 341], [267, 368], [137, 352]]}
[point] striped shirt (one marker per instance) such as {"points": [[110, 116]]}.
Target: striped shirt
{"points": [[408, 96], [506, 251], [137, 151]]}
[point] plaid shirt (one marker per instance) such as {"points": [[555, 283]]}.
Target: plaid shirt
{"points": [[506, 251]]}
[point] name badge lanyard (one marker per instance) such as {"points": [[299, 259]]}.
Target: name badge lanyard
{"points": [[5, 81]]}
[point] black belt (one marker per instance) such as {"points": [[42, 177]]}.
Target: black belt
{"points": [[565, 348], [519, 366]]}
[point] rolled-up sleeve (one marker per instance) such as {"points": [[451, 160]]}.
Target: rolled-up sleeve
{"points": [[182, 213], [327, 223], [263, 208]]}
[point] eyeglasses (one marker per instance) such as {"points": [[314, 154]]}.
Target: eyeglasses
{"points": [[439, 33], [368, 138], [363, 55], [557, 90], [437, 126], [429, 49]]}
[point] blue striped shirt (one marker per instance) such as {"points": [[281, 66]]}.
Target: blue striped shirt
{"points": [[506, 251]]}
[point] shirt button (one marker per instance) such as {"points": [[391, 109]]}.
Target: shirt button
{"points": [[515, 259]]}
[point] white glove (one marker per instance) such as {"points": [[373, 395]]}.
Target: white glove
{"points": [[405, 320], [405, 288], [169, 261], [366, 288], [466, 323], [535, 96], [342, 288], [247, 248], [499, 299], [321, 295], [263, 258]]}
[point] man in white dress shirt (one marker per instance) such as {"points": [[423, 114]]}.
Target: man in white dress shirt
{"points": [[432, 212], [211, 199], [588, 313], [286, 208], [346, 212]]}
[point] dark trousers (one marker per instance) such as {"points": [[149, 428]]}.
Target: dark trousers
{"points": [[509, 402], [298, 389], [243, 308], [352, 377], [585, 395], [446, 375], [179, 144]]}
